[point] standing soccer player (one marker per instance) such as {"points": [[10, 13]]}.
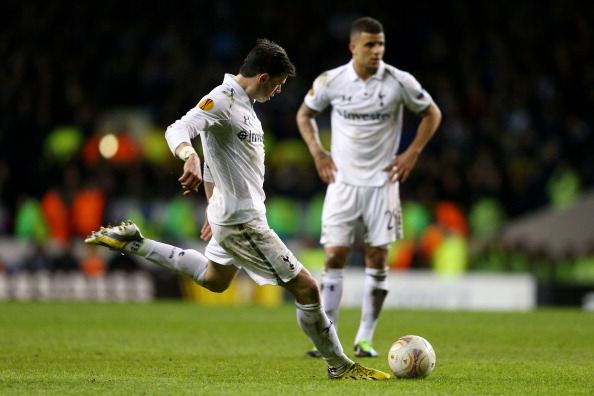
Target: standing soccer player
{"points": [[232, 140], [362, 169]]}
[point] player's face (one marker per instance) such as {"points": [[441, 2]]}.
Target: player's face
{"points": [[269, 87], [368, 50]]}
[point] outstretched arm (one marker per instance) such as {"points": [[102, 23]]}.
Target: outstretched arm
{"points": [[308, 127], [404, 163]]}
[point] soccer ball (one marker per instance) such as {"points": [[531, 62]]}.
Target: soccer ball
{"points": [[411, 356]]}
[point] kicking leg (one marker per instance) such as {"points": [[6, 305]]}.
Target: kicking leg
{"points": [[127, 238]]}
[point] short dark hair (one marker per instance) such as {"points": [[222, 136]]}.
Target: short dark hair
{"points": [[267, 57], [366, 25]]}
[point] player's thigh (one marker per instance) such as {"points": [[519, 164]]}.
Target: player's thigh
{"points": [[221, 269], [259, 251], [220, 276], [340, 215], [382, 215]]}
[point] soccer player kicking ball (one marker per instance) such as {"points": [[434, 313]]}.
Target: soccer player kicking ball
{"points": [[367, 98], [232, 140]]}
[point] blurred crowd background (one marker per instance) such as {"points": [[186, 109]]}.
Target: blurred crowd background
{"points": [[87, 90]]}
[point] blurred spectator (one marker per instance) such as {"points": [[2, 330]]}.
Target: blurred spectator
{"points": [[29, 221], [563, 186], [57, 215], [284, 216], [93, 265], [88, 208], [179, 220]]}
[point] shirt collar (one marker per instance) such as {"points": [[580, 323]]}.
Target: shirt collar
{"points": [[379, 74], [238, 90]]}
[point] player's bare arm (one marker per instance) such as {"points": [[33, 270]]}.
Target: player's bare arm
{"points": [[401, 167], [308, 127], [191, 177]]}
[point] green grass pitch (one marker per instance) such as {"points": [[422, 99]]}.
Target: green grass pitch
{"points": [[174, 348]]}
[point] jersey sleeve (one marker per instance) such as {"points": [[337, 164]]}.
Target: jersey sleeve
{"points": [[317, 97], [213, 109], [415, 98]]}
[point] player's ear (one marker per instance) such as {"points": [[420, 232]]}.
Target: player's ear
{"points": [[353, 38], [352, 47], [263, 77]]}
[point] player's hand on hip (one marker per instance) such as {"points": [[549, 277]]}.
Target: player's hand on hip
{"points": [[325, 167], [400, 168], [191, 178]]}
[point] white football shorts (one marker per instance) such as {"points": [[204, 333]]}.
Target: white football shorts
{"points": [[377, 208], [256, 248]]}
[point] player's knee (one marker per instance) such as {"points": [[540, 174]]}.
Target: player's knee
{"points": [[308, 295], [305, 289], [215, 287], [376, 257], [336, 258]]}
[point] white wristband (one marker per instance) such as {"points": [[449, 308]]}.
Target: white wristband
{"points": [[185, 152]]}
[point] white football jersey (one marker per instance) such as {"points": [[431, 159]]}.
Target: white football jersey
{"points": [[366, 118], [233, 144]]}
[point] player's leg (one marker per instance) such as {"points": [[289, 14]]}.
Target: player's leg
{"points": [[320, 330], [374, 293], [331, 286], [267, 260], [332, 279], [381, 216], [127, 238], [339, 219], [218, 277], [314, 322]]}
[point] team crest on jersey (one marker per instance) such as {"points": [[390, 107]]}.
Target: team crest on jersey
{"points": [[206, 104]]}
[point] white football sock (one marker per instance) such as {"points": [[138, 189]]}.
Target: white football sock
{"points": [[320, 330], [188, 262], [375, 290], [331, 291]]}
